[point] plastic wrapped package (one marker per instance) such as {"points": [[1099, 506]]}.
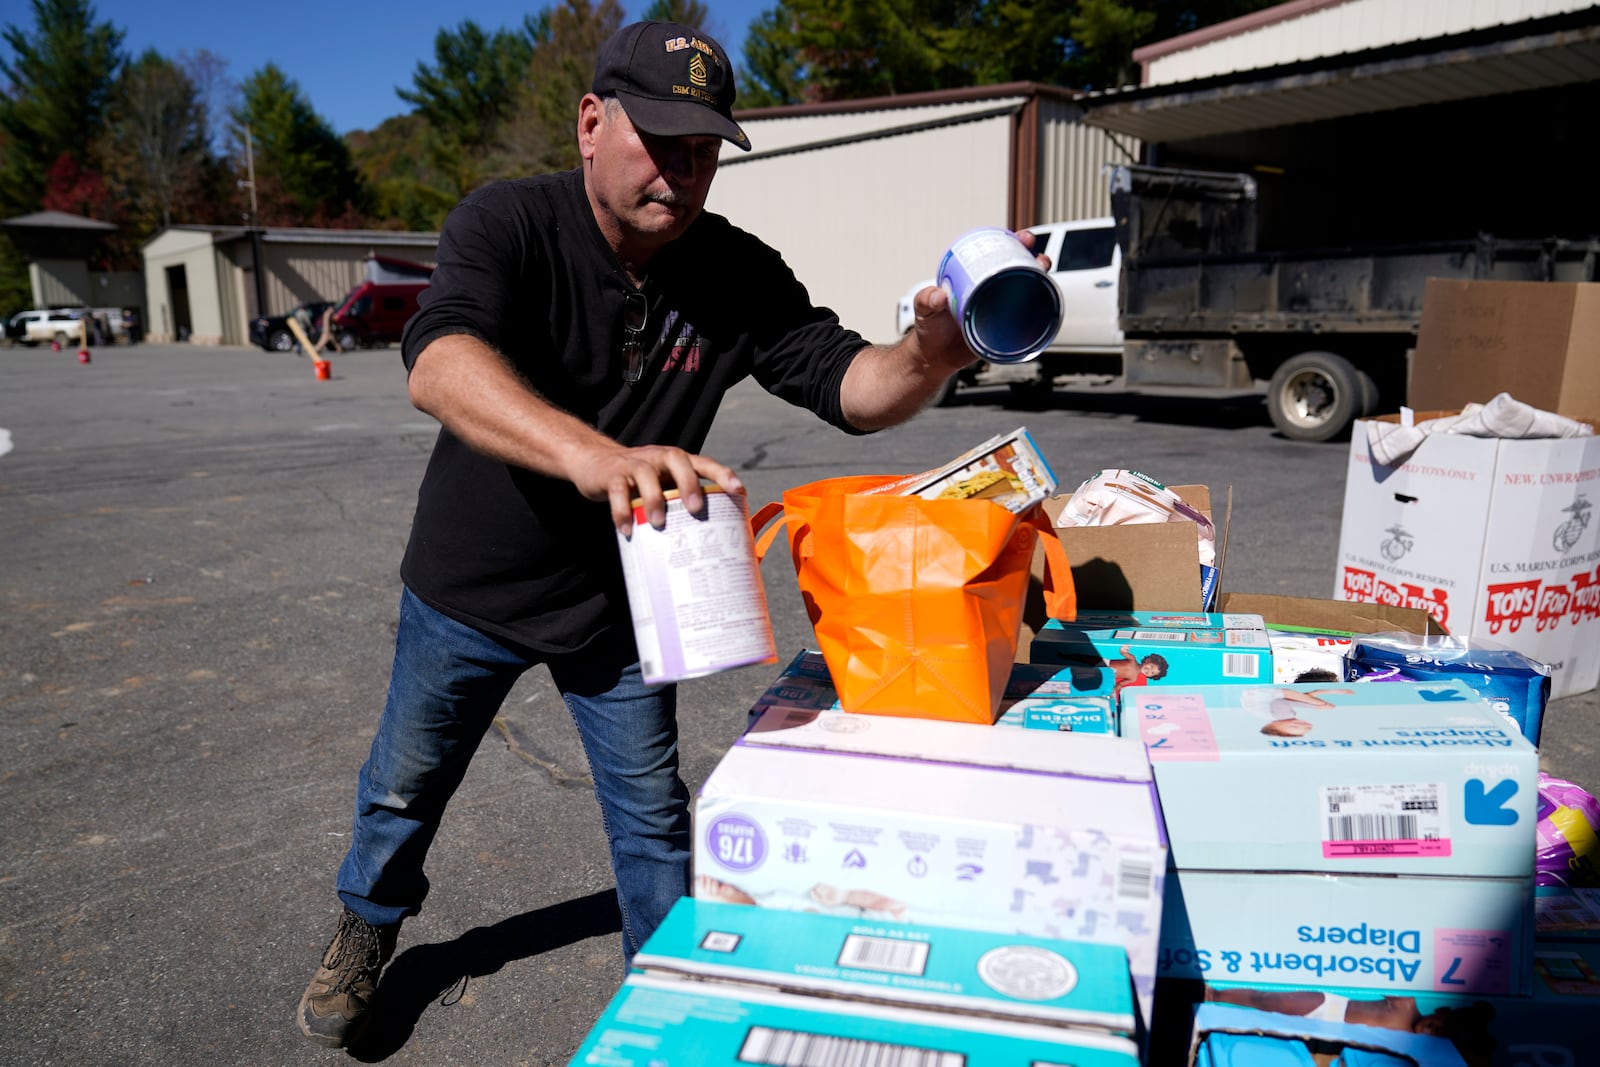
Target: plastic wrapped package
{"points": [[1517, 685], [1568, 835], [1121, 497]]}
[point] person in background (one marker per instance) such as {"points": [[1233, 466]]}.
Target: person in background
{"points": [[579, 333]]}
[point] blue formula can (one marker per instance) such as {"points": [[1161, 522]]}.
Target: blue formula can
{"points": [[1008, 307]]}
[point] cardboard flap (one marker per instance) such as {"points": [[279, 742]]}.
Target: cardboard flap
{"points": [[1340, 616]]}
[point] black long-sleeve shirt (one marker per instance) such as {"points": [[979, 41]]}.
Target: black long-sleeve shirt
{"points": [[523, 267]]}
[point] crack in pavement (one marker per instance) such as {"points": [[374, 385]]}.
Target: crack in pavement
{"points": [[515, 745]]}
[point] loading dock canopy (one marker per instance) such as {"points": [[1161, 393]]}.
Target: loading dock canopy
{"points": [[1540, 54]]}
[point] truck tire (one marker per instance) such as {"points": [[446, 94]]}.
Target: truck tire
{"points": [[280, 341], [1315, 396]]}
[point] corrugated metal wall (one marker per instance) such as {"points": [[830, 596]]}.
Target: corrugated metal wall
{"points": [[1349, 27], [860, 223], [298, 272], [1073, 158]]}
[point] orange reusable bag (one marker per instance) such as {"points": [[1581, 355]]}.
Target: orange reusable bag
{"points": [[916, 603]]}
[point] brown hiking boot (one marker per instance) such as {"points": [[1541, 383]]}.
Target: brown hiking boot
{"points": [[334, 1006]]}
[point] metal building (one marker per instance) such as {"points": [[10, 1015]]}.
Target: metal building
{"points": [[1372, 121], [862, 197], [200, 281]]}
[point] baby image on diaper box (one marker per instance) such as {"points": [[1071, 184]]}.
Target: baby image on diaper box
{"points": [[1393, 778], [1133, 649]]}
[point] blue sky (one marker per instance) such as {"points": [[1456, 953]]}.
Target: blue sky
{"points": [[348, 56]]}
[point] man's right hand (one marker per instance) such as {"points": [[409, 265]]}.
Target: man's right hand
{"points": [[621, 475]]}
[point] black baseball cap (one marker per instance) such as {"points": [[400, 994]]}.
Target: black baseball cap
{"points": [[672, 80]]}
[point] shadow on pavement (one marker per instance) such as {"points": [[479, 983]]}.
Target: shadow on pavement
{"points": [[1220, 409], [423, 974]]}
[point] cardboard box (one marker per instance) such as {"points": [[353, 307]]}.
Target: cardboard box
{"points": [[654, 1021], [1308, 634], [1397, 934], [942, 969], [1424, 779], [1189, 648], [1553, 1027], [1492, 537], [1148, 567], [1229, 1034], [1538, 341], [946, 824]]}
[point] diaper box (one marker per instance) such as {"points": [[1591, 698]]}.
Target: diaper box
{"points": [[654, 1022], [956, 824], [1084, 715], [1553, 1027], [1035, 697], [1400, 777], [1227, 1035], [1399, 935], [1158, 649], [942, 969]]}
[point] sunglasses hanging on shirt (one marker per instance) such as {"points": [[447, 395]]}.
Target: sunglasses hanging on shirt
{"points": [[635, 315]]}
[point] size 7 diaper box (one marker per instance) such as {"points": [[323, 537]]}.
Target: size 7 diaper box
{"points": [[941, 969], [1132, 649], [1413, 778], [951, 824], [1400, 935]]}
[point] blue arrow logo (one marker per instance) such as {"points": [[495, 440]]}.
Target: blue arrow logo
{"points": [[1488, 807]]}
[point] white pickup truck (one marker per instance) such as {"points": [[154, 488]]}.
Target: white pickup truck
{"points": [[1084, 263], [41, 326]]}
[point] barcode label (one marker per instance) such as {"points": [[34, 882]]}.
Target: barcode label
{"points": [[1157, 635], [1133, 879], [1373, 828], [796, 1048], [1240, 665], [884, 954], [1385, 820]]}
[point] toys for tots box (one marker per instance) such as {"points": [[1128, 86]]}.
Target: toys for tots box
{"points": [[1492, 537]]}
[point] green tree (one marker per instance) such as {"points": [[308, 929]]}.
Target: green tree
{"points": [[689, 12], [409, 192], [59, 84], [156, 147], [566, 42], [817, 50], [465, 95], [56, 83], [304, 173]]}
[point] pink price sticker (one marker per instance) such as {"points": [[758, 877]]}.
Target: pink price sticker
{"points": [[1176, 728]]}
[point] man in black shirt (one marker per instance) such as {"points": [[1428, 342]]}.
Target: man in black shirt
{"points": [[578, 335]]}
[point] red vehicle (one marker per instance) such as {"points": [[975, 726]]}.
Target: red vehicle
{"points": [[376, 311]]}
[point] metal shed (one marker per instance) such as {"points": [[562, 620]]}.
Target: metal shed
{"points": [[200, 282], [1369, 121], [862, 197]]}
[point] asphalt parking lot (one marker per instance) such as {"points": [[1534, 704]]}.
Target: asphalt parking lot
{"points": [[197, 600]]}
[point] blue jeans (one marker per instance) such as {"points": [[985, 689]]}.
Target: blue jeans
{"points": [[446, 687]]}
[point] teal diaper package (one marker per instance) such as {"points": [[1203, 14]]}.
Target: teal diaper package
{"points": [[1347, 778], [1126, 650], [1228, 1035], [940, 969], [660, 1022]]}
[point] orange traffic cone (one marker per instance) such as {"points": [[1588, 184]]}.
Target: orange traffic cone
{"points": [[83, 355], [55, 346]]}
